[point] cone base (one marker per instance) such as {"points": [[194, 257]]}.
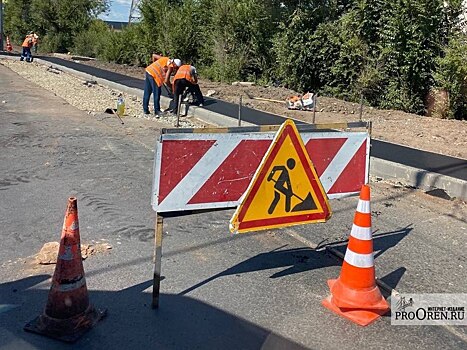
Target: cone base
{"points": [[358, 316], [347, 298], [67, 330]]}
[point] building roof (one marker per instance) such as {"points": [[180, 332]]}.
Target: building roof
{"points": [[116, 25]]}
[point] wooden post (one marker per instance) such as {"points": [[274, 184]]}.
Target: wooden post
{"points": [[240, 111], [361, 106], [178, 109], [157, 260], [314, 108]]}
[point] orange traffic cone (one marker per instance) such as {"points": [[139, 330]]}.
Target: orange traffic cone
{"points": [[9, 48], [68, 314], [354, 294]]}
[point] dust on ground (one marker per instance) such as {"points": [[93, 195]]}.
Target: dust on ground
{"points": [[448, 137], [44, 261]]}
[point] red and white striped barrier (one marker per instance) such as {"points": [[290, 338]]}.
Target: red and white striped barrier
{"points": [[212, 171]]}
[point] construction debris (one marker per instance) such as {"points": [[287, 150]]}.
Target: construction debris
{"points": [[266, 99], [54, 70], [49, 251], [243, 83], [303, 103]]}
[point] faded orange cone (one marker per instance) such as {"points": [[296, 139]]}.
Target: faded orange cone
{"points": [[68, 314], [354, 294], [9, 48]]}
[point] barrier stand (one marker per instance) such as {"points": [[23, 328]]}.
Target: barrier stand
{"points": [[253, 134], [157, 260]]}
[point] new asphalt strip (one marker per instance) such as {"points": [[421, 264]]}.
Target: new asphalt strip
{"points": [[421, 169]]}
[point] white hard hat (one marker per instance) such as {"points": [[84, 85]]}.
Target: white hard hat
{"points": [[177, 62]]}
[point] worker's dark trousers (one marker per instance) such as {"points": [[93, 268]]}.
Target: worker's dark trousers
{"points": [[150, 87], [180, 86], [26, 54]]}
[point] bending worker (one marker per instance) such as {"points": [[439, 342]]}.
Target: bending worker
{"points": [[158, 73], [186, 78], [27, 44]]}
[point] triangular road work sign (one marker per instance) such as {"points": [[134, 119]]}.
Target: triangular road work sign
{"points": [[285, 189]]}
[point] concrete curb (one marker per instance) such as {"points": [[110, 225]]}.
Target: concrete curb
{"points": [[384, 169], [418, 178]]}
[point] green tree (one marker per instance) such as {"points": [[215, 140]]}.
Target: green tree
{"points": [[172, 28], [452, 75], [56, 21], [307, 44], [17, 19], [238, 39], [94, 41]]}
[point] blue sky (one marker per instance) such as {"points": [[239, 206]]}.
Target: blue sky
{"points": [[119, 11]]}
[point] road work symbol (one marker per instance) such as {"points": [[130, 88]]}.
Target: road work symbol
{"points": [[283, 186], [285, 190]]}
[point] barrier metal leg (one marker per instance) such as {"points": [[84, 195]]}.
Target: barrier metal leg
{"points": [[157, 261]]}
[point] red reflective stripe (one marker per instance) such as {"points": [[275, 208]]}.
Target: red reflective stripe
{"points": [[178, 158], [352, 177], [365, 279], [225, 183], [360, 246], [362, 220]]}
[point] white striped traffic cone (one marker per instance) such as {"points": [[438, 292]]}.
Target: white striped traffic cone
{"points": [[355, 294]]}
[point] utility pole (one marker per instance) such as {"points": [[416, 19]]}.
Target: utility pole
{"points": [[134, 11]]}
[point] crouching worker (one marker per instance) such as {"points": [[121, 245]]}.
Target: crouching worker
{"points": [[186, 78], [27, 44], [158, 74]]}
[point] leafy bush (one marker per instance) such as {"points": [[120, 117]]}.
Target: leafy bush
{"points": [[92, 42], [54, 42], [452, 75]]}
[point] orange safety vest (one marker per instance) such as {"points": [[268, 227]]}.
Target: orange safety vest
{"points": [[27, 41], [158, 70], [184, 72]]}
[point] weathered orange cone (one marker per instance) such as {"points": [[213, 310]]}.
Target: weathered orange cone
{"points": [[68, 314], [354, 294], [9, 48]]}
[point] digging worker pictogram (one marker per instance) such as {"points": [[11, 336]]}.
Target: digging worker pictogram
{"points": [[283, 185]]}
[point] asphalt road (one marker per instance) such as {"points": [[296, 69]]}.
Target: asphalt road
{"points": [[253, 291]]}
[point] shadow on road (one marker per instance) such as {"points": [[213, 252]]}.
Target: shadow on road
{"points": [[302, 259], [180, 323]]}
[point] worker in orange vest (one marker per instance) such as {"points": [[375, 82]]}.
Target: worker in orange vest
{"points": [[186, 78], [27, 44], [157, 74]]}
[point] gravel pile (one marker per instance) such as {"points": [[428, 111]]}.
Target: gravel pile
{"points": [[85, 95]]}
